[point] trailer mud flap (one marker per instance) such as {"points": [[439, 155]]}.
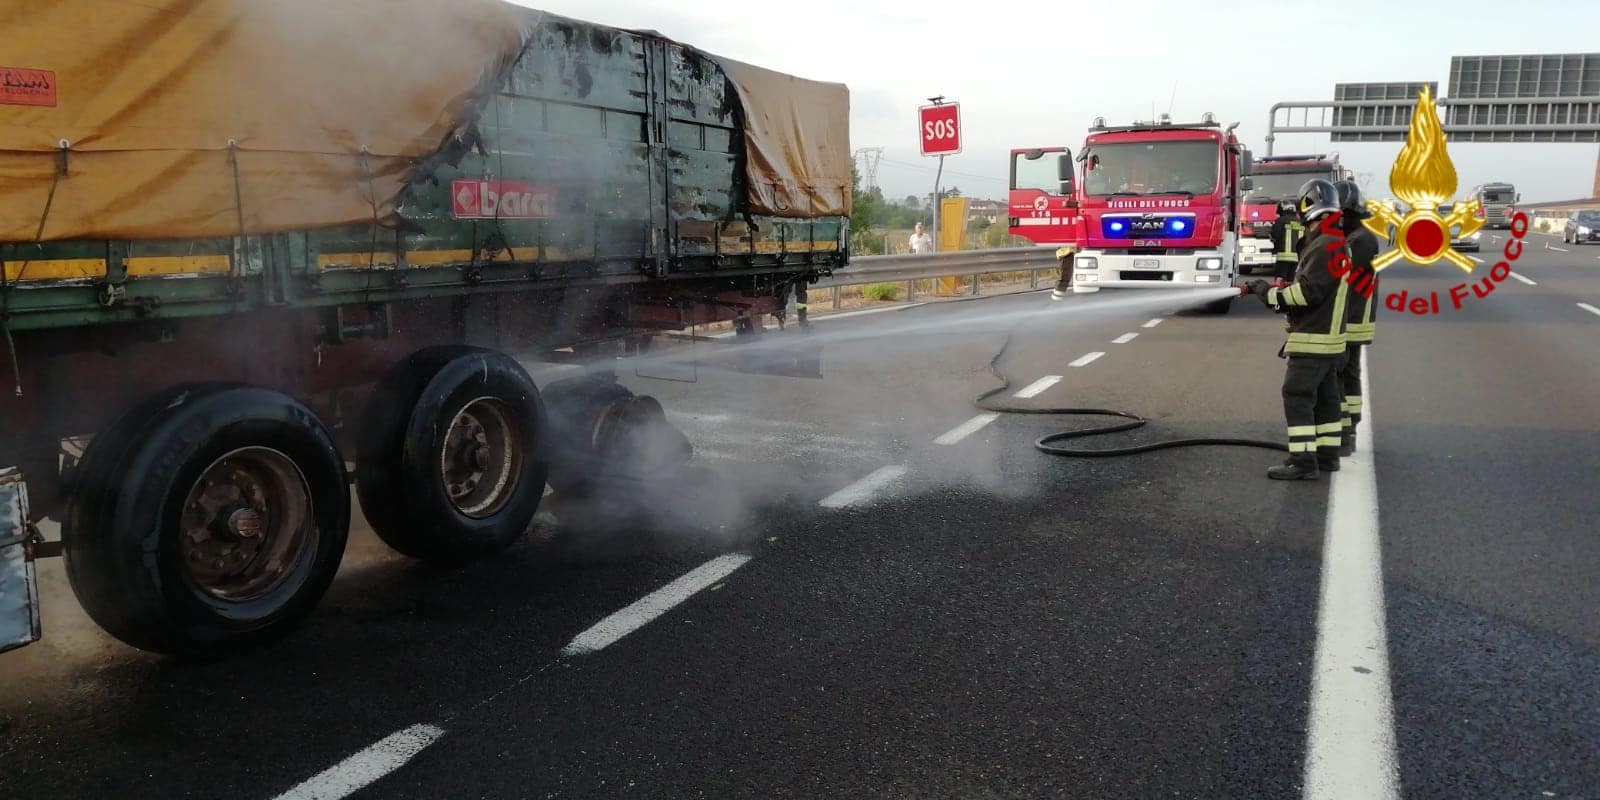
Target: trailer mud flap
{"points": [[19, 588]]}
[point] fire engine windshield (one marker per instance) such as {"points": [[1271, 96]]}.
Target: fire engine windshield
{"points": [[1497, 196], [1145, 168], [1271, 187]]}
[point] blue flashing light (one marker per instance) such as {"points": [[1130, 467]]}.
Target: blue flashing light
{"points": [[1117, 226], [1178, 225]]}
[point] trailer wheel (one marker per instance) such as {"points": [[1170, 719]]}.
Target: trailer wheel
{"points": [[206, 519], [452, 465]]}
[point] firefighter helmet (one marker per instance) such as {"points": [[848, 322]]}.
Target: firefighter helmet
{"points": [[1317, 198], [1350, 199]]}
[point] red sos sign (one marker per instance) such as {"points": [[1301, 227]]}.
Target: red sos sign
{"points": [[940, 129]]}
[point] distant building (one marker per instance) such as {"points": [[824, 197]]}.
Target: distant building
{"points": [[991, 211]]}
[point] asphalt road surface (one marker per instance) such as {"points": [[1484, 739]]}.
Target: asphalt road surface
{"points": [[892, 594]]}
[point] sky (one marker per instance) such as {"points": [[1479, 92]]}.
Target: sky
{"points": [[1036, 76]]}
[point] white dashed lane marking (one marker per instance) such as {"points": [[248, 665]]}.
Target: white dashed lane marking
{"points": [[1125, 338], [1152, 323], [1086, 360], [966, 429], [1519, 276], [1590, 309], [647, 608], [863, 489], [1037, 387], [354, 773]]}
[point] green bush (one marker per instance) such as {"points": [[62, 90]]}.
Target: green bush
{"points": [[880, 291]]}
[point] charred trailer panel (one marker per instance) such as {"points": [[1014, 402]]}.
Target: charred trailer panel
{"points": [[399, 196]]}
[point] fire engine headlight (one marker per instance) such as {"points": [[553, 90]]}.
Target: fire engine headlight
{"points": [[1088, 278], [1583, 231], [1086, 263], [1209, 263], [1207, 278]]}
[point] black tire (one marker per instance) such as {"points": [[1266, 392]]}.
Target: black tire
{"points": [[400, 479], [572, 404], [123, 530], [1222, 306]]}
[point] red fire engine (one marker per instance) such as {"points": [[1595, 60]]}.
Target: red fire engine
{"points": [[1274, 180], [1149, 205]]}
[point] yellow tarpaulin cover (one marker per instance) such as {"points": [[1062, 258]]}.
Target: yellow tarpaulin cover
{"points": [[327, 105], [148, 94], [797, 142]]}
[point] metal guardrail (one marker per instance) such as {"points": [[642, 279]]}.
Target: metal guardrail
{"points": [[909, 269]]}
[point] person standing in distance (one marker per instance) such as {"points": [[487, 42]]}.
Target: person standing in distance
{"points": [[1360, 310], [1315, 306], [921, 242]]}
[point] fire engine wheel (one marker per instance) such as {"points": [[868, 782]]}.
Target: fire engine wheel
{"points": [[451, 466], [206, 519], [1222, 306]]}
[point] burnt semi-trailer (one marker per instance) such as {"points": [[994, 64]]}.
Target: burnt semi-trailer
{"points": [[288, 248]]}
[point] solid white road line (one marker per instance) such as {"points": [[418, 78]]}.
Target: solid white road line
{"points": [[1152, 323], [1590, 309], [1037, 387], [966, 429], [1519, 276], [1350, 753], [864, 488], [352, 774], [642, 611], [1557, 249], [1086, 360], [1475, 258], [1125, 338]]}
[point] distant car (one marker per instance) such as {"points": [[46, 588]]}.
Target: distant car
{"points": [[1458, 242], [1582, 226]]}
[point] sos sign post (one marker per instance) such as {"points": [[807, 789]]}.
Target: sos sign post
{"points": [[939, 134], [940, 125]]}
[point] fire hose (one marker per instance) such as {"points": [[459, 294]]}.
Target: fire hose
{"points": [[1132, 421]]}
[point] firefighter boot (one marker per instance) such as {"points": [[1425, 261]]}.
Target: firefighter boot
{"points": [[1299, 467], [1347, 447], [1328, 458]]}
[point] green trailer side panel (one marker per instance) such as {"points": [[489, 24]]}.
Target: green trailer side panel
{"points": [[633, 169]]}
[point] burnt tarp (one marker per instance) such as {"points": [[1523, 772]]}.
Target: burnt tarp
{"points": [[199, 118], [797, 142]]}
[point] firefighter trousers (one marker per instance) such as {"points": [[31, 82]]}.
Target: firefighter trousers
{"points": [[1350, 379], [1064, 284], [1313, 398]]}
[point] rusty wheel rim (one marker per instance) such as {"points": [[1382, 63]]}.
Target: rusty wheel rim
{"points": [[481, 458], [247, 523]]}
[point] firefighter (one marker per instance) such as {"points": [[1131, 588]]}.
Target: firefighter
{"points": [[1287, 232], [1315, 306], [1063, 288], [1361, 306]]}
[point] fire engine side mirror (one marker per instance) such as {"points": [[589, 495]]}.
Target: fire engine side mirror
{"points": [[1064, 172], [1246, 184], [1247, 163]]}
